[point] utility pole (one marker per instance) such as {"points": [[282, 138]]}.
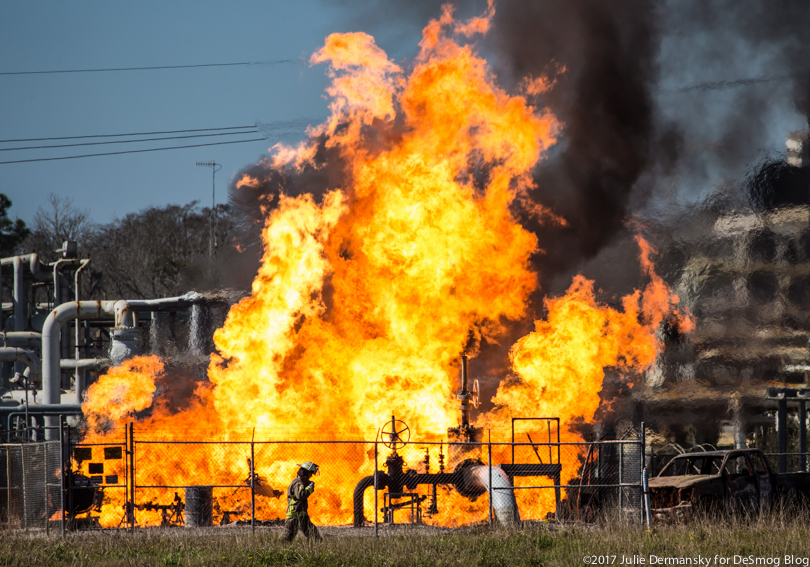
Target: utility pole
{"points": [[212, 239]]}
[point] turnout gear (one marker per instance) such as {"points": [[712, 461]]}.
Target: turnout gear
{"points": [[298, 493], [291, 526]]}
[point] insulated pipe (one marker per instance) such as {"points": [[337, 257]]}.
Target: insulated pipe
{"points": [[180, 302], [80, 382], [51, 331], [21, 339], [20, 302], [122, 311], [19, 305], [501, 493], [73, 364], [8, 354], [37, 271]]}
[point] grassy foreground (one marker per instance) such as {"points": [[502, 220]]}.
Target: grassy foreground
{"points": [[764, 541]]}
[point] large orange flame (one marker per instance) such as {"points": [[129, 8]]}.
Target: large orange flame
{"points": [[365, 300]]}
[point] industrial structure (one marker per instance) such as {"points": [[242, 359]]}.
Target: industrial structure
{"points": [[741, 378], [54, 343]]}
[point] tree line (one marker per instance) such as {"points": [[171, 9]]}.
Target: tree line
{"points": [[156, 252]]}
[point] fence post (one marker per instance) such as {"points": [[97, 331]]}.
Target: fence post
{"points": [[802, 437], [46, 488], [68, 479], [376, 504], [621, 478], [644, 488], [489, 467], [23, 460], [252, 481], [64, 451], [131, 507]]}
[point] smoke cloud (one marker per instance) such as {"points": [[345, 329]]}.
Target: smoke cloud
{"points": [[660, 104]]}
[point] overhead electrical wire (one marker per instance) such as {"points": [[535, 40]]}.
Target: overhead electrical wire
{"points": [[133, 151], [252, 127], [157, 67], [126, 141]]}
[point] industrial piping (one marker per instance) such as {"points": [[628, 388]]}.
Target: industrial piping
{"points": [[52, 328], [359, 491], [37, 271], [471, 481], [122, 311], [501, 493], [14, 354], [21, 339]]}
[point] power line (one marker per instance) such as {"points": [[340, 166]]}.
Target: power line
{"points": [[105, 70], [131, 134], [134, 151], [125, 141]]}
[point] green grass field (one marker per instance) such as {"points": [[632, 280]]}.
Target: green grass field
{"points": [[761, 541]]}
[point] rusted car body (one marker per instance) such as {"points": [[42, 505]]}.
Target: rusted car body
{"points": [[721, 482]]}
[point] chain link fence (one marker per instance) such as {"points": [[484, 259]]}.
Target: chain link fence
{"points": [[130, 479], [30, 485]]}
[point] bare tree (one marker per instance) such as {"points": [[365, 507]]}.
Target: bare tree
{"points": [[159, 252], [54, 224]]}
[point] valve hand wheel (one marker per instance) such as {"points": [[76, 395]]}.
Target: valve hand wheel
{"points": [[397, 432]]}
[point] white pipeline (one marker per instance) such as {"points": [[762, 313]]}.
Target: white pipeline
{"points": [[501, 493]]}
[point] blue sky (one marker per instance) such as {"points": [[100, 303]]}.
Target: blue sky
{"points": [[280, 88], [102, 34]]}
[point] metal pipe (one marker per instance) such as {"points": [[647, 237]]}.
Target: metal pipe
{"points": [[72, 364], [168, 303], [8, 354], [781, 433], [501, 494], [79, 382], [51, 332], [464, 395], [489, 460], [57, 288], [19, 305], [253, 482], [802, 436], [359, 491], [37, 272], [7, 413], [34, 265], [22, 339], [645, 483]]}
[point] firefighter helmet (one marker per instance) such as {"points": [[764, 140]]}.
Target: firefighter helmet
{"points": [[310, 466]]}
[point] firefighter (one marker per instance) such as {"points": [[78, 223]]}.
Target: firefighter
{"points": [[297, 494]]}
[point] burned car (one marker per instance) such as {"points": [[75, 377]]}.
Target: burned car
{"points": [[721, 482]]}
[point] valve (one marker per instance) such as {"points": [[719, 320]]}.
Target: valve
{"points": [[398, 434], [476, 394]]}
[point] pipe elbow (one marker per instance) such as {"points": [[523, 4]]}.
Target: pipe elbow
{"points": [[124, 316], [360, 491]]}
